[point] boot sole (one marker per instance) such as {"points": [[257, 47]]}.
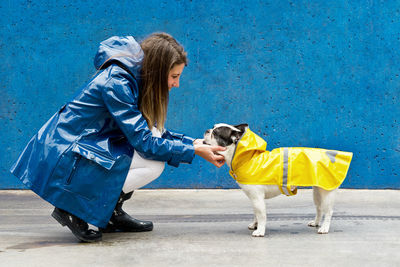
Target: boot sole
{"points": [[60, 220], [147, 229], [126, 230]]}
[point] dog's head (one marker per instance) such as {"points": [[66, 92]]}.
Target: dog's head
{"points": [[225, 135]]}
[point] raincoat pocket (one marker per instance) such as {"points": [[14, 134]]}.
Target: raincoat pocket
{"points": [[86, 166], [95, 156]]}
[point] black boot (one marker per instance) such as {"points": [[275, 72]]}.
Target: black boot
{"points": [[77, 226], [121, 222]]}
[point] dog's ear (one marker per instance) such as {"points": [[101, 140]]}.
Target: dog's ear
{"points": [[242, 127], [237, 135]]}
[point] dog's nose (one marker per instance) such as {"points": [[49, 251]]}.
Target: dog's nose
{"points": [[208, 131]]}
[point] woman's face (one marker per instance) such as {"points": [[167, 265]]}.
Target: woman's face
{"points": [[174, 75]]}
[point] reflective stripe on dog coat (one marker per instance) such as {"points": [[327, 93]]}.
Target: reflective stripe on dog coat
{"points": [[287, 167]]}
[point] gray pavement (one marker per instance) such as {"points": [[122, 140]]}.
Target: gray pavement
{"points": [[209, 228]]}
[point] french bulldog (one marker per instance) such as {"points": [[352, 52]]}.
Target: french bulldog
{"points": [[228, 136]]}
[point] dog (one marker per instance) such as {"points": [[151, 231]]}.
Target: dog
{"points": [[279, 170]]}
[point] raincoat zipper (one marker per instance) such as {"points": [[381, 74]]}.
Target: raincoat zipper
{"points": [[75, 163]]}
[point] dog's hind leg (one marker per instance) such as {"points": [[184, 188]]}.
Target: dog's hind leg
{"points": [[324, 201], [317, 202], [328, 199]]}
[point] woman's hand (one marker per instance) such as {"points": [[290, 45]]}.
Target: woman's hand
{"points": [[209, 153]]}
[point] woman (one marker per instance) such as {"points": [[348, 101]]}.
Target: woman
{"points": [[110, 138]]}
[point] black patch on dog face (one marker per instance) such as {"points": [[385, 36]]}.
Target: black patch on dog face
{"points": [[226, 136], [223, 136]]}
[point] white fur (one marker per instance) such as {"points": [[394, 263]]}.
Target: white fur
{"points": [[323, 199]]}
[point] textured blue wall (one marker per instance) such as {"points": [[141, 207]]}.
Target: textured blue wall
{"points": [[320, 74]]}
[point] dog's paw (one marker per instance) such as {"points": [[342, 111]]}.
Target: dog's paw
{"points": [[324, 229], [258, 233], [252, 226], [312, 224]]}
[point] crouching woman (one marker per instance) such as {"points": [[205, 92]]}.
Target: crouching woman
{"points": [[110, 139]]}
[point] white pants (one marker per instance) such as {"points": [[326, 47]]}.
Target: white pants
{"points": [[143, 171]]}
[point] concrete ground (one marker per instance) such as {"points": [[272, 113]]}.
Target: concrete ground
{"points": [[209, 228]]}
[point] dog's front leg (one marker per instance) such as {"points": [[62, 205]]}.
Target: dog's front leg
{"points": [[260, 214], [253, 225], [256, 195]]}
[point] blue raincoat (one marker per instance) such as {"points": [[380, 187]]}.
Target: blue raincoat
{"points": [[79, 159]]}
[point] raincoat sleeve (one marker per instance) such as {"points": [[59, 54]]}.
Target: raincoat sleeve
{"points": [[177, 136], [121, 102]]}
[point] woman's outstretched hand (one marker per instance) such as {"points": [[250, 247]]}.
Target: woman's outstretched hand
{"points": [[209, 153]]}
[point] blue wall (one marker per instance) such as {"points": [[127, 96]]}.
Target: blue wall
{"points": [[320, 74]]}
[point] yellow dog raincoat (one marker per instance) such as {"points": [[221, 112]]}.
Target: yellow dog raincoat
{"points": [[287, 167]]}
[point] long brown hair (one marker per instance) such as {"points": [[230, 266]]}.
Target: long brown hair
{"points": [[161, 53]]}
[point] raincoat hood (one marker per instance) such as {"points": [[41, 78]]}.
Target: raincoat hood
{"points": [[124, 50], [287, 167], [249, 146]]}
